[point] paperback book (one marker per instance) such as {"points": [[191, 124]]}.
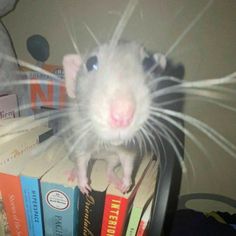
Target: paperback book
{"points": [[142, 198], [16, 158], [117, 205], [30, 182], [143, 224], [91, 206], [60, 198]]}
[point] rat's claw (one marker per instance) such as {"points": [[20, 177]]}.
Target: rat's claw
{"points": [[85, 188], [123, 186], [126, 184]]}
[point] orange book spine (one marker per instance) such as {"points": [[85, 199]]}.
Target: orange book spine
{"points": [[12, 197], [115, 212]]}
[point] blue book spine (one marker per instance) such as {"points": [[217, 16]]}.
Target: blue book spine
{"points": [[60, 209], [32, 204]]}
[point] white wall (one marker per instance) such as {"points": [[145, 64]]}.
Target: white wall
{"points": [[207, 51]]}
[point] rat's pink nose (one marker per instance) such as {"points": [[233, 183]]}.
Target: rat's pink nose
{"points": [[121, 113]]}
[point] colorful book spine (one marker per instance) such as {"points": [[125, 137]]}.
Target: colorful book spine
{"points": [[142, 198], [115, 211], [30, 182], [32, 203], [60, 209], [133, 224], [117, 205], [10, 184], [91, 211], [13, 204], [91, 206], [143, 224]]}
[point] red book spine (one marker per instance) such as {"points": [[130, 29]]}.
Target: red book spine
{"points": [[12, 197], [142, 228], [114, 216]]}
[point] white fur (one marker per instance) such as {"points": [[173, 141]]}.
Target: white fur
{"points": [[120, 75]]}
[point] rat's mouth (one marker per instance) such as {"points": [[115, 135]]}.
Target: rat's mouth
{"points": [[117, 142], [116, 136]]}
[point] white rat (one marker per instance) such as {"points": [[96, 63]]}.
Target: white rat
{"points": [[111, 94]]}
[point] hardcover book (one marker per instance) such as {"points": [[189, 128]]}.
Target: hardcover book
{"points": [[117, 205], [142, 198], [10, 186], [91, 206], [30, 183], [60, 200]]}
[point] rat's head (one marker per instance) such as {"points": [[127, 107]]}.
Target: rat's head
{"points": [[113, 85]]}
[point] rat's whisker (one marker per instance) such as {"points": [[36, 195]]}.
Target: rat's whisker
{"points": [[156, 81], [198, 98], [143, 143], [204, 128], [189, 27], [144, 132], [122, 23], [47, 105], [78, 139], [187, 156], [154, 130], [180, 127], [139, 140], [170, 140], [33, 81], [68, 27], [92, 34], [29, 66], [79, 133], [206, 85]]}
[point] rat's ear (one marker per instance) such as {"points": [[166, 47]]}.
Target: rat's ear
{"points": [[71, 64], [161, 60], [152, 62]]}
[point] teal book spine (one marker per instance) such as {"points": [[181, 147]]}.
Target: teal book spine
{"points": [[32, 204], [60, 209]]}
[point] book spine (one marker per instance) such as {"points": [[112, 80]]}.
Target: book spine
{"points": [[90, 213], [19, 149], [60, 209], [134, 221], [114, 216], [14, 204], [32, 205], [142, 228]]}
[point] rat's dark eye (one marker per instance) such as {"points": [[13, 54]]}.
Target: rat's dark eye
{"points": [[149, 63], [92, 63]]}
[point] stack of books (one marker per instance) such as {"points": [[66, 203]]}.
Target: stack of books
{"points": [[39, 198]]}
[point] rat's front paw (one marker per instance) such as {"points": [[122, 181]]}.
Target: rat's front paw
{"points": [[125, 186], [84, 186]]}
